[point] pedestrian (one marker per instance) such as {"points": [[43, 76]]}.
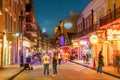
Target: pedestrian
{"points": [[100, 62], [59, 58], [84, 58], [54, 64], [117, 57], [46, 60], [39, 56], [87, 58], [66, 55]]}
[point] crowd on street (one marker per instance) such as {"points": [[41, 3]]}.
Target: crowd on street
{"points": [[58, 58]]}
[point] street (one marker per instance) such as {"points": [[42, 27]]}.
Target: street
{"points": [[68, 71]]}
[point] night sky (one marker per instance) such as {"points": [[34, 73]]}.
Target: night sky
{"points": [[49, 12]]}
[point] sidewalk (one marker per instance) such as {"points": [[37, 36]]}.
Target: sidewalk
{"points": [[110, 70], [8, 72]]}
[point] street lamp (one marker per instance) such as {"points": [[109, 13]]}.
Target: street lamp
{"points": [[21, 18]]}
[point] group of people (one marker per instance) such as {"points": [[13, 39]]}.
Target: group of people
{"points": [[56, 59], [116, 62], [86, 58]]}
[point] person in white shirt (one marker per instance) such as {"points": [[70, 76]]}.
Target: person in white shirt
{"points": [[46, 60]]}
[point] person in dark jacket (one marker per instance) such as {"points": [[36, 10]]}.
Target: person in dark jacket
{"points": [[100, 62], [54, 63]]}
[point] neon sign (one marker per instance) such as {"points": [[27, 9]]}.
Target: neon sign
{"points": [[26, 44], [68, 25], [83, 42], [93, 39], [75, 43], [62, 40], [113, 32]]}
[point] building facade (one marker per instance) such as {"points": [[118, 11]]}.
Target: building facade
{"points": [[17, 16], [32, 30], [9, 25], [98, 24]]}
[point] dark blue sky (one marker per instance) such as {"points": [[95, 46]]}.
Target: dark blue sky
{"points": [[49, 12]]}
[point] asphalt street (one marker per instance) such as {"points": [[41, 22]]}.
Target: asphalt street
{"points": [[67, 71]]}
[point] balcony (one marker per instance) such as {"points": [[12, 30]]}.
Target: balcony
{"points": [[110, 17], [105, 19], [31, 27]]}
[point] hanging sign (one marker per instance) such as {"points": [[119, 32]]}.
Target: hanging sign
{"points": [[93, 39]]}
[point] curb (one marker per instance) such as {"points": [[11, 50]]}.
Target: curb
{"points": [[113, 75], [11, 78]]}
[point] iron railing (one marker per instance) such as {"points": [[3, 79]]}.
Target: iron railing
{"points": [[108, 18]]}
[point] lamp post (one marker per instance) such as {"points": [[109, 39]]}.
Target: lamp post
{"points": [[21, 18]]}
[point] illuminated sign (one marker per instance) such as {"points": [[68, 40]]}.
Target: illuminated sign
{"points": [[62, 40], [83, 42], [93, 39], [113, 32], [68, 25], [75, 43], [26, 44]]}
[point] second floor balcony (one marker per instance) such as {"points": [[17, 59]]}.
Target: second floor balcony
{"points": [[31, 27]]}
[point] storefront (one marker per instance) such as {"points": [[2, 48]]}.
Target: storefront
{"points": [[65, 50], [76, 49], [113, 41], [27, 49], [85, 49], [97, 43], [107, 40]]}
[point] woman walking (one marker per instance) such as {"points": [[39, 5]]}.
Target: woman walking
{"points": [[54, 63]]}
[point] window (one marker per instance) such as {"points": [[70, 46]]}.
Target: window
{"points": [[27, 1], [0, 4], [10, 23], [6, 22], [10, 3], [14, 6], [8, 27], [15, 27]]}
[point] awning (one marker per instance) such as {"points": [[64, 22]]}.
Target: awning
{"points": [[27, 42]]}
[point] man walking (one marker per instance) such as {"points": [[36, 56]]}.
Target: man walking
{"points": [[46, 60], [100, 62]]}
